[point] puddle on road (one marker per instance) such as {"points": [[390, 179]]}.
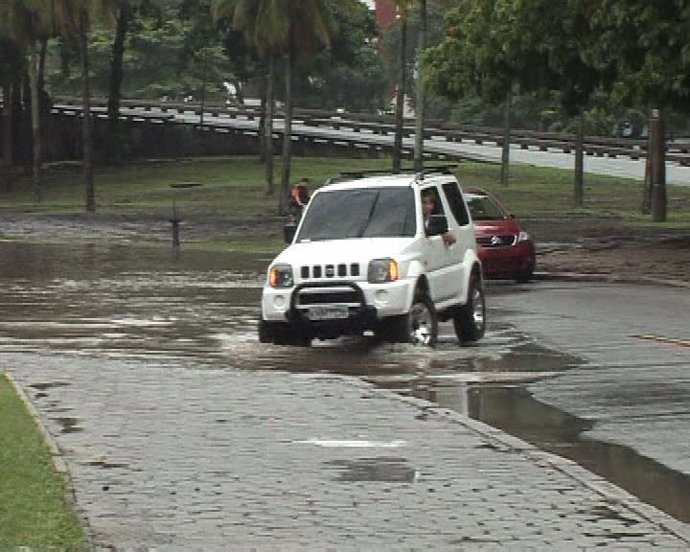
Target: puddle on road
{"points": [[383, 469], [515, 411], [200, 310]]}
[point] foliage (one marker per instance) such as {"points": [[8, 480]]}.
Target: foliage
{"points": [[390, 46], [34, 510], [350, 74], [648, 43]]}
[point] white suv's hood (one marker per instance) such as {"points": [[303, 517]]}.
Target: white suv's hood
{"points": [[360, 250]]}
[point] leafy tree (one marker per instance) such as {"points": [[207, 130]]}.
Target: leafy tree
{"points": [[257, 23], [308, 26], [494, 46], [298, 28], [350, 74], [648, 44]]}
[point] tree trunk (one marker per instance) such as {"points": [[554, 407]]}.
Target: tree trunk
{"points": [[7, 137], [21, 129], [35, 124], [578, 185], [262, 113], [505, 151], [287, 134], [400, 100], [420, 104], [658, 167], [86, 124], [646, 206], [203, 89], [43, 97], [113, 144], [268, 125]]}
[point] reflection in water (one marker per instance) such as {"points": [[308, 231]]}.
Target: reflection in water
{"points": [[515, 411], [384, 468], [202, 309]]}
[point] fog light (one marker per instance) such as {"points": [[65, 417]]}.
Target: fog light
{"points": [[382, 296], [279, 301]]}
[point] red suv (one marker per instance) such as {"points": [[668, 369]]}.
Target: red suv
{"points": [[505, 249]]}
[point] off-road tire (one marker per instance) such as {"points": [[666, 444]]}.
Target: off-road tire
{"points": [[419, 326], [281, 333], [470, 319]]}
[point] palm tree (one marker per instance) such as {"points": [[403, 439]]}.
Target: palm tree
{"points": [[29, 22], [250, 17], [297, 28], [123, 17], [310, 27], [74, 18]]}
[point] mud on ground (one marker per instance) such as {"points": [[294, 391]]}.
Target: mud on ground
{"points": [[590, 246], [604, 247]]}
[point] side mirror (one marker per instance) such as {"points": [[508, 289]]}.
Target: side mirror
{"points": [[289, 230], [438, 224]]}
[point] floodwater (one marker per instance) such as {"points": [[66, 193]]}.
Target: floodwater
{"points": [[200, 309]]}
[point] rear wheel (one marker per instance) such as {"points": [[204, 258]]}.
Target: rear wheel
{"points": [[470, 319]]}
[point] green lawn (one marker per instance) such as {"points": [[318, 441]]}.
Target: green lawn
{"points": [[235, 188], [34, 510]]}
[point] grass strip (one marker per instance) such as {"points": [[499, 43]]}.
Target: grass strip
{"points": [[234, 188], [36, 512]]}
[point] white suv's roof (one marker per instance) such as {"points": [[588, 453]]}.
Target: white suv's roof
{"points": [[381, 180]]}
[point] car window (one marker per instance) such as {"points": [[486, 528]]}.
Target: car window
{"points": [[484, 208], [359, 213], [457, 205]]}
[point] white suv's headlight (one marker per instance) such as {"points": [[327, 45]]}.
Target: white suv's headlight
{"points": [[382, 270], [280, 276]]}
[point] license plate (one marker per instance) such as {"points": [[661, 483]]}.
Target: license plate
{"points": [[327, 312]]}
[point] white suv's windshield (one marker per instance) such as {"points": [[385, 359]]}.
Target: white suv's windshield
{"points": [[360, 213]]}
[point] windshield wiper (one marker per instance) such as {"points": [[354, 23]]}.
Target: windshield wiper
{"points": [[361, 231]]}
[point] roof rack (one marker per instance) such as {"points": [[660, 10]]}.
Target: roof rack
{"points": [[419, 175], [435, 169]]}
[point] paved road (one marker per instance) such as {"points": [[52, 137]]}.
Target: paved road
{"points": [[619, 166], [167, 457], [181, 433], [635, 341]]}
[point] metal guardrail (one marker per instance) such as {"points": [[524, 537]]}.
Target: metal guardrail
{"points": [[382, 125]]}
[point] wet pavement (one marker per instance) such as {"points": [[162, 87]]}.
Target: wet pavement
{"points": [[180, 431]]}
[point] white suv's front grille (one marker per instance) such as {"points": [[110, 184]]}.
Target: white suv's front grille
{"points": [[339, 270], [343, 295]]}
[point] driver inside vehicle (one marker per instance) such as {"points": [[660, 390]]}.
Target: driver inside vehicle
{"points": [[429, 203]]}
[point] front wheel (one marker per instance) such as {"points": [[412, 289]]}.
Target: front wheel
{"points": [[470, 319], [281, 333], [419, 326]]}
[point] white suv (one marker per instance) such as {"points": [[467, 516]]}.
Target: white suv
{"points": [[363, 259]]}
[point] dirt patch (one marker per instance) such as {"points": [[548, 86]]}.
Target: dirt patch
{"points": [[596, 246], [577, 245]]}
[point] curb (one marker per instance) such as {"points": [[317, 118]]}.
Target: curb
{"points": [[59, 462], [608, 278]]}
